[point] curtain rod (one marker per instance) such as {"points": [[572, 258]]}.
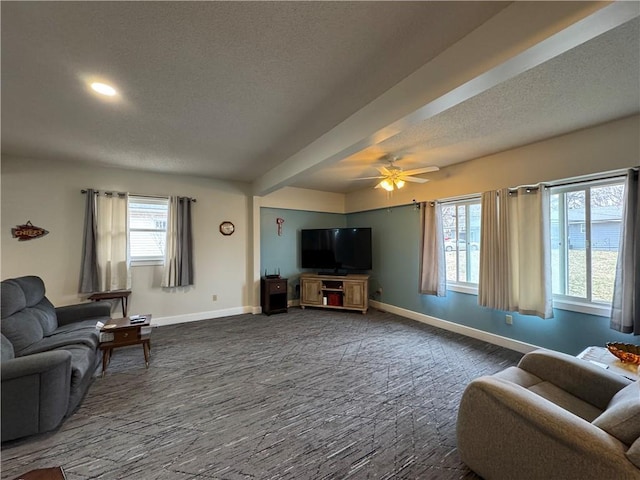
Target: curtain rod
{"points": [[535, 188], [461, 198], [595, 178], [588, 180], [122, 194]]}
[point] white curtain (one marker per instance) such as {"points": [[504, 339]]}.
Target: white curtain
{"points": [[432, 263], [178, 261], [494, 288], [111, 243], [625, 311], [515, 256]]}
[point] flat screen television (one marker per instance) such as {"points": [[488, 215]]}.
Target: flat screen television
{"points": [[336, 250]]}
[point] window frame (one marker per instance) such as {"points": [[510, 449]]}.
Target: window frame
{"points": [[575, 303], [457, 285], [146, 260]]}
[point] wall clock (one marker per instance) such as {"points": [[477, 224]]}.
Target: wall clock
{"points": [[227, 228]]}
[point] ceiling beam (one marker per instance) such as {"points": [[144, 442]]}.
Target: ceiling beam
{"points": [[520, 37]]}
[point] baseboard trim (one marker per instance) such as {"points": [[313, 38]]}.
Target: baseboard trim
{"points": [[195, 317], [492, 338]]}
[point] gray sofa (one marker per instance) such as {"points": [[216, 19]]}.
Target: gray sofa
{"points": [[48, 356], [551, 417]]}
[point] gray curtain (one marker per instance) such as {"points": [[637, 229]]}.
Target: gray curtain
{"points": [[625, 308], [178, 265], [433, 280], [89, 278]]}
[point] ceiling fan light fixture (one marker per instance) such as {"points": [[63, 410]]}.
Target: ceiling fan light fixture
{"points": [[394, 178], [387, 185]]}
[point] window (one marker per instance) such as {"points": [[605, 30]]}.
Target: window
{"points": [[461, 228], [147, 229], [585, 233]]}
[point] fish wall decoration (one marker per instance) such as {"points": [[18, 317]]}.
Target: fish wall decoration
{"points": [[28, 231]]}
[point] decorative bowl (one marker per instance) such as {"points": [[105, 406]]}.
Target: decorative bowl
{"points": [[626, 352]]}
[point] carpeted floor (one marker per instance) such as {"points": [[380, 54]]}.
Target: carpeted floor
{"points": [[311, 394]]}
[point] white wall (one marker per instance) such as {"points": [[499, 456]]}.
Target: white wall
{"points": [[48, 194], [303, 199], [610, 146]]}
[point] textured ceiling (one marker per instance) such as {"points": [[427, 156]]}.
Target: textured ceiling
{"points": [[220, 89], [230, 90], [598, 81]]}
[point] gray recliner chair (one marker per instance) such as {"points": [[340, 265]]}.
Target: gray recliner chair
{"points": [[552, 417], [48, 356]]}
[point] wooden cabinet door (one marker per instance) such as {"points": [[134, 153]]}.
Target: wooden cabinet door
{"points": [[311, 291], [354, 294]]}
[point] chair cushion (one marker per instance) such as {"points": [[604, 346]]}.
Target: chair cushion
{"points": [[621, 419], [13, 299], [87, 335], [6, 349], [22, 329], [46, 316], [567, 401], [27, 315], [33, 288]]}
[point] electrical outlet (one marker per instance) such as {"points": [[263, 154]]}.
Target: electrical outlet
{"points": [[379, 291], [508, 319], [215, 298]]}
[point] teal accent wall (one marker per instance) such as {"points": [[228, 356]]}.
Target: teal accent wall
{"points": [[283, 252], [396, 254], [396, 247]]}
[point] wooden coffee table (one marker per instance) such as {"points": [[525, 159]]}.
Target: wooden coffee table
{"points": [[120, 332]]}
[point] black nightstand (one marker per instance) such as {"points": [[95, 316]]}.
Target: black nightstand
{"points": [[273, 295]]}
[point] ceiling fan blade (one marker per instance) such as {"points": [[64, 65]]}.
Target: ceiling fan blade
{"points": [[384, 171], [414, 179], [418, 171]]}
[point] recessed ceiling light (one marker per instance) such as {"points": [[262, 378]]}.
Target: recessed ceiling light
{"points": [[103, 89]]}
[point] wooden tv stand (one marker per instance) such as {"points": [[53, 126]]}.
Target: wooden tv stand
{"points": [[348, 292]]}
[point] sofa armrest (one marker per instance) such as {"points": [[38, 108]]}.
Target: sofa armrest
{"points": [[83, 311], [35, 393], [580, 378], [505, 431], [38, 363]]}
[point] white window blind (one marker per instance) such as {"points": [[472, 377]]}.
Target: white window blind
{"points": [[147, 228]]}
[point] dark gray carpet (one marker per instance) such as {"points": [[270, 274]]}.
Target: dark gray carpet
{"points": [[311, 394]]}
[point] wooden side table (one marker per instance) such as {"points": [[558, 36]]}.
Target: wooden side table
{"points": [[602, 357], [123, 295], [120, 332], [273, 295]]}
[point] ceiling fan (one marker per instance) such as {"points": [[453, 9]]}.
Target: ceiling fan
{"points": [[394, 177]]}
